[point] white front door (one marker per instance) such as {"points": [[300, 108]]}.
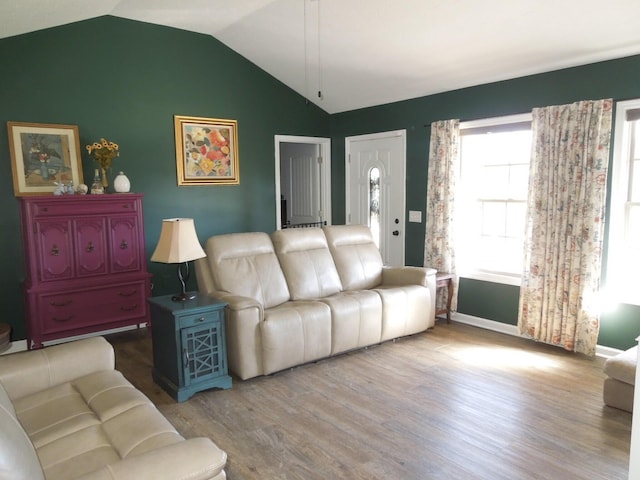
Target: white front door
{"points": [[375, 189]]}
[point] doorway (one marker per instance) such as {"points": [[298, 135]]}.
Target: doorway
{"points": [[303, 181], [375, 189]]}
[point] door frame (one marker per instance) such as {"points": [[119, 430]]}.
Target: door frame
{"points": [[347, 179], [324, 149]]}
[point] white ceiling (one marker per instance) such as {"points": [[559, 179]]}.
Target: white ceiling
{"points": [[361, 53]]}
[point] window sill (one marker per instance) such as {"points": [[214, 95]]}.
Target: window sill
{"points": [[492, 277]]}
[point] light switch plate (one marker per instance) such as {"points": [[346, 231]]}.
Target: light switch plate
{"points": [[415, 216]]}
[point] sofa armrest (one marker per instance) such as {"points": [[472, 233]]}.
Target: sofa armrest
{"points": [[408, 276], [193, 459], [28, 372], [423, 276]]}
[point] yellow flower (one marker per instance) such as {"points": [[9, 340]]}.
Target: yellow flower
{"points": [[104, 152]]}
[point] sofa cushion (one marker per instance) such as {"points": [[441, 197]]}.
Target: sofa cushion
{"points": [[93, 421], [405, 310], [355, 255], [295, 333], [307, 263], [246, 264], [18, 459], [356, 319], [622, 367]]}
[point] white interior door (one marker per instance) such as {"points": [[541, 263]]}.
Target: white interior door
{"points": [[300, 183], [375, 184], [303, 179]]}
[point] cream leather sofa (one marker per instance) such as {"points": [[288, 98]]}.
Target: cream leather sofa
{"points": [[65, 414], [300, 295]]}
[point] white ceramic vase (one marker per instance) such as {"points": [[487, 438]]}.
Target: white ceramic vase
{"points": [[121, 183]]}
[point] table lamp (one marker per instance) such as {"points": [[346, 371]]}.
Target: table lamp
{"points": [[178, 244]]}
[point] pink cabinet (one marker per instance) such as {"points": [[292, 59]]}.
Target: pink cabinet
{"points": [[85, 265]]}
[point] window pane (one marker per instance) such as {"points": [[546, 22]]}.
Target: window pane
{"points": [[518, 182], [493, 182], [632, 236], [634, 194], [516, 218], [493, 218], [374, 204]]}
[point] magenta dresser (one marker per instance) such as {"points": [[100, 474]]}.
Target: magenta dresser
{"points": [[85, 265]]}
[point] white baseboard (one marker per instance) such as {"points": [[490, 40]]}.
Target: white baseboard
{"points": [[21, 345], [601, 350]]}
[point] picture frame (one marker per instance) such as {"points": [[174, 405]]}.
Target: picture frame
{"points": [[42, 156], [206, 151]]}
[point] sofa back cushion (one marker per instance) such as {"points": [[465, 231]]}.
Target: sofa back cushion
{"points": [[246, 264], [355, 255], [18, 459], [307, 263]]}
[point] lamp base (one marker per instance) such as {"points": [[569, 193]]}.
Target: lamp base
{"points": [[183, 297]]}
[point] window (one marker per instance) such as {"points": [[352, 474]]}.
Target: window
{"points": [[492, 198], [374, 204], [623, 251]]}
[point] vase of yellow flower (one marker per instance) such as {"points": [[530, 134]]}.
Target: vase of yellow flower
{"points": [[104, 152]]}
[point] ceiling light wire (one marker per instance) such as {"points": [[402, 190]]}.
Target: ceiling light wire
{"points": [[319, 56]]}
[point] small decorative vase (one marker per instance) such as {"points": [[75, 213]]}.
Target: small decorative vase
{"points": [[121, 183], [105, 181]]}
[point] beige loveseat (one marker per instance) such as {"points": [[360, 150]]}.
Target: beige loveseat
{"points": [[66, 414], [300, 295]]}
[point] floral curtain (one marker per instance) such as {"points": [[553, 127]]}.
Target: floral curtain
{"points": [[441, 185], [565, 224]]}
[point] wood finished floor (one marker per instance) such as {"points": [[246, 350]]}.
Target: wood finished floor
{"points": [[456, 403]]}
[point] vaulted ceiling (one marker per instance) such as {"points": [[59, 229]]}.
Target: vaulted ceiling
{"points": [[349, 54]]}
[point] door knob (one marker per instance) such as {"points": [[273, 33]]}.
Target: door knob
{"points": [[395, 233]]}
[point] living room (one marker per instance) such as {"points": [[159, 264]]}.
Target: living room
{"points": [[125, 80]]}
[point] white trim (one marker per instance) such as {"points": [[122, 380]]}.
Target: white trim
{"points": [[486, 324], [601, 350], [324, 145], [21, 345], [492, 277], [504, 120]]}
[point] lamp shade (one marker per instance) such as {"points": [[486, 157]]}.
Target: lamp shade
{"points": [[178, 242]]}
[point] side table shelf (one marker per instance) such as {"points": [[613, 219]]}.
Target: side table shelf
{"points": [[189, 345]]}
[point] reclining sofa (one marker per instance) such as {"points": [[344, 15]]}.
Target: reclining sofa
{"points": [[66, 414], [301, 295]]}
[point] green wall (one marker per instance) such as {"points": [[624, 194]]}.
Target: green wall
{"points": [[124, 80], [617, 79]]}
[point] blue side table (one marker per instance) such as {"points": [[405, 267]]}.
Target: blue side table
{"points": [[189, 345]]}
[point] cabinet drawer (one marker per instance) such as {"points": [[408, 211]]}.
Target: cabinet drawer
{"points": [[96, 306], [198, 319], [83, 207]]}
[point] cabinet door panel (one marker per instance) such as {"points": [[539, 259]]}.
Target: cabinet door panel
{"points": [[125, 253], [202, 352], [54, 250], [91, 249]]}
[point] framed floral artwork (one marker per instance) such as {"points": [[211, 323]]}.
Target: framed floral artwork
{"points": [[206, 151], [43, 156]]}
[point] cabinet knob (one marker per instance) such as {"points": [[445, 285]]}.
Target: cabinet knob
{"points": [[55, 251], [201, 319], [90, 247], [124, 245]]}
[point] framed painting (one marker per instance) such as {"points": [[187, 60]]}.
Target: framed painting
{"points": [[207, 151], [42, 156]]}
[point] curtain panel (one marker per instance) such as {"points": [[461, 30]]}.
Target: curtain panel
{"points": [[565, 224], [443, 170]]}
